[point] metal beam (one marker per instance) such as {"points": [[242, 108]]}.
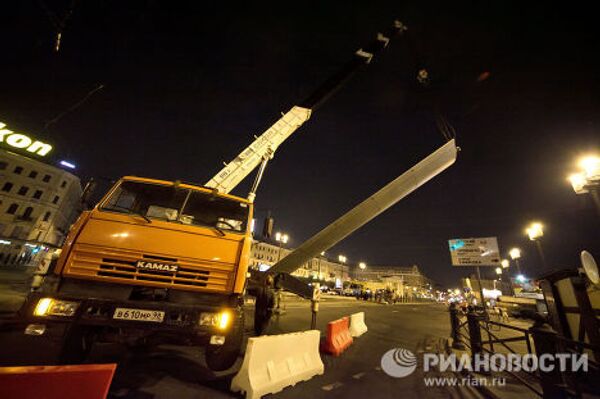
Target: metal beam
{"points": [[367, 210]]}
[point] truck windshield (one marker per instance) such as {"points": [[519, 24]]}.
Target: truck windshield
{"points": [[178, 205]]}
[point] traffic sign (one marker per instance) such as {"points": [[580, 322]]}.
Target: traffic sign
{"points": [[474, 251]]}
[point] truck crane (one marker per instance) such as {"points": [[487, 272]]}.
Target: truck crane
{"points": [[166, 261]]}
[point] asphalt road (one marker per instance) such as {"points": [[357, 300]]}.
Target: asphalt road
{"points": [[179, 372]]}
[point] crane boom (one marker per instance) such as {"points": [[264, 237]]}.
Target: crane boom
{"points": [[367, 210], [264, 146]]}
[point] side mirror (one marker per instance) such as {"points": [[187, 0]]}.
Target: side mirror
{"points": [[88, 190]]}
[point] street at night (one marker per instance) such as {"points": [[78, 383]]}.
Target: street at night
{"points": [[324, 199], [178, 371]]}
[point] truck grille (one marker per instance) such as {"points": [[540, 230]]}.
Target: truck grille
{"points": [[120, 266]]}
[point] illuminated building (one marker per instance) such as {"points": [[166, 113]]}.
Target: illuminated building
{"points": [[38, 204]]}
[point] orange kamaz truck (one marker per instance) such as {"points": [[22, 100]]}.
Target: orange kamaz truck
{"points": [[154, 260]]}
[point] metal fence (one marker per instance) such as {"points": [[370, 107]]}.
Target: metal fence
{"points": [[476, 331]]}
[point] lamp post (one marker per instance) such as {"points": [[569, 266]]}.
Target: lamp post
{"points": [[515, 254], [361, 266], [342, 259], [508, 283], [499, 274], [320, 257], [535, 231], [587, 180], [282, 239]]}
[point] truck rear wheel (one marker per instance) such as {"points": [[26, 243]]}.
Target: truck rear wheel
{"points": [[222, 357]]}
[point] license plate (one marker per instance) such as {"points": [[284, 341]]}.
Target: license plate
{"points": [[139, 315]]}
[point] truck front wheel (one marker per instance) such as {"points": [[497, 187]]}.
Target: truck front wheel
{"points": [[76, 345], [222, 357]]}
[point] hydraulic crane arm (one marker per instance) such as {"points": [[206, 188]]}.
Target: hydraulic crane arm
{"points": [[278, 276], [262, 148], [367, 210], [265, 145]]}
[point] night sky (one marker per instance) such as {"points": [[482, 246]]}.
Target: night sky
{"points": [[187, 85]]}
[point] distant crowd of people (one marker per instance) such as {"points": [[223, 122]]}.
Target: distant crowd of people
{"points": [[381, 296]]}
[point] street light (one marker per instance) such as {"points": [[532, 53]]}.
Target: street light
{"points": [[587, 180], [281, 238], [505, 263], [535, 231], [499, 271], [590, 165], [515, 254], [362, 265]]}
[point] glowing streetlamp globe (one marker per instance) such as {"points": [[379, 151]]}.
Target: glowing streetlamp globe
{"points": [[535, 231], [281, 237], [514, 253]]}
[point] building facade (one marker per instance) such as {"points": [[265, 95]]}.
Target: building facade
{"points": [[407, 281], [411, 275], [265, 254], [38, 204]]}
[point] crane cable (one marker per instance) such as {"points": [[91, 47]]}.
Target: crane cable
{"points": [[443, 125], [445, 128]]}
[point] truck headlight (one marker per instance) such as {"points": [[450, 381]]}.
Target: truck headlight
{"points": [[55, 307], [220, 320], [224, 320], [209, 319]]}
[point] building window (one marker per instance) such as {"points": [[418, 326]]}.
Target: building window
{"points": [[47, 178], [63, 184], [55, 200], [23, 190], [12, 209], [3, 165], [7, 187], [33, 174], [18, 170], [38, 194], [47, 216], [27, 213]]}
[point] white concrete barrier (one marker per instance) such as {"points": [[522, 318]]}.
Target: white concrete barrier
{"points": [[273, 362], [357, 324]]}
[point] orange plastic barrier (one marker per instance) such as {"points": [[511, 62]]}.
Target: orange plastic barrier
{"points": [[338, 337], [89, 381]]}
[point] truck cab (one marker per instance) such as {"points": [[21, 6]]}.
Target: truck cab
{"points": [[155, 261]]}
